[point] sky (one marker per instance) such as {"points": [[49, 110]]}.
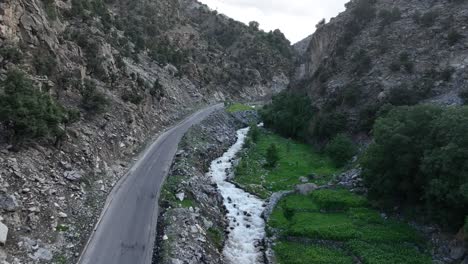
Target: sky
{"points": [[295, 18]]}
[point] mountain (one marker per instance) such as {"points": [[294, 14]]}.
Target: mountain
{"points": [[378, 52], [85, 84]]}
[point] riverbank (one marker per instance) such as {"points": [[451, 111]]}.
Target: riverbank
{"points": [[192, 223]]}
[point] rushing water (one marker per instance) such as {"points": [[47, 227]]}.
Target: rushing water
{"points": [[246, 226]]}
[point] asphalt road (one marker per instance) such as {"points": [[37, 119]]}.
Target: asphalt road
{"points": [[126, 230]]}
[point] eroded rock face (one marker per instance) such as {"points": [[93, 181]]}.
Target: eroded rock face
{"points": [[364, 59]]}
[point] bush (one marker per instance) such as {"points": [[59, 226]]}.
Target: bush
{"points": [[454, 37], [427, 19], [289, 115], [11, 54], [272, 156], [50, 9], [92, 100], [27, 112], [464, 96], [340, 149], [132, 97], [362, 62], [389, 16], [402, 95], [329, 124], [415, 158], [254, 132]]}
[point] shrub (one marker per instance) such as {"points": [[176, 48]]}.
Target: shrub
{"points": [[289, 115], [27, 112], [254, 132], [11, 54], [93, 100], [132, 97], [272, 156], [340, 149], [464, 96], [402, 95], [157, 90], [453, 37], [329, 124], [50, 9], [389, 16], [415, 158], [427, 19], [45, 64], [362, 62]]}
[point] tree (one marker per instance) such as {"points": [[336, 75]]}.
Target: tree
{"points": [[289, 115], [419, 156], [254, 25], [254, 132], [27, 112], [272, 156], [340, 149], [92, 100]]}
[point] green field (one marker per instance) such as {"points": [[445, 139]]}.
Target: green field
{"points": [[327, 226], [296, 160], [340, 225], [238, 107]]}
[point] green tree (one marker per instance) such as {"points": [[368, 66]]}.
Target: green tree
{"points": [[27, 112], [254, 132], [289, 115], [341, 149], [272, 156], [92, 100]]}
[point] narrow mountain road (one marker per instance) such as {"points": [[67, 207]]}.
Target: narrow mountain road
{"points": [[126, 230]]}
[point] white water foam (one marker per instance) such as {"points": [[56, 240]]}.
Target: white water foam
{"points": [[246, 226]]}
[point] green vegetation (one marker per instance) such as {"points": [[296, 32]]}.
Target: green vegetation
{"points": [[238, 107], [27, 112], [454, 37], [93, 100], [50, 9], [11, 54], [272, 156], [427, 19], [389, 16], [341, 149], [295, 160], [288, 115], [296, 253], [340, 227], [216, 236], [419, 157]]}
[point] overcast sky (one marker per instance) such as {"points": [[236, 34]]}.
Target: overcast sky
{"points": [[295, 18]]}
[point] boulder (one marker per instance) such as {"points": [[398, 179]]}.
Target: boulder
{"points": [[3, 233], [306, 189], [42, 254], [8, 203], [457, 252], [72, 175], [304, 179], [180, 196]]}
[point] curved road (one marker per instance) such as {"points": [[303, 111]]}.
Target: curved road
{"points": [[126, 230]]}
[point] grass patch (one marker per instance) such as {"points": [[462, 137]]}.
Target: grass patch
{"points": [[216, 236], [237, 107], [345, 219], [295, 160], [295, 253]]}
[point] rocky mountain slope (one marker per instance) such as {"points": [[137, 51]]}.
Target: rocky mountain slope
{"points": [[126, 70], [377, 52]]}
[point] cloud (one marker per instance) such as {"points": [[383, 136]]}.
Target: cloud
{"points": [[295, 18]]}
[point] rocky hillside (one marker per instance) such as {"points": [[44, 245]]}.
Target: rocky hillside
{"points": [[85, 83], [378, 52]]}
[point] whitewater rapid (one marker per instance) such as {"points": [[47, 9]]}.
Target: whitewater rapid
{"points": [[246, 226]]}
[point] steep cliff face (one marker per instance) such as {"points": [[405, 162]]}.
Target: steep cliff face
{"points": [[151, 62], [377, 52]]}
